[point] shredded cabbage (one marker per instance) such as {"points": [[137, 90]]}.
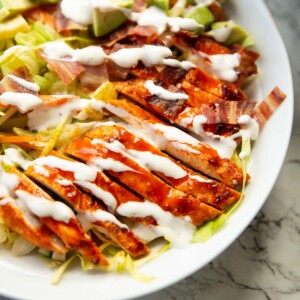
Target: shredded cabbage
{"points": [[210, 228], [22, 247], [62, 269]]}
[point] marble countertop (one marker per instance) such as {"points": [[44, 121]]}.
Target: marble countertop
{"points": [[264, 262]]}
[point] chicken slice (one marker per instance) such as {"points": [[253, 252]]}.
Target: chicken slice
{"points": [[17, 218], [176, 142], [179, 176], [57, 217], [140, 180], [92, 214]]}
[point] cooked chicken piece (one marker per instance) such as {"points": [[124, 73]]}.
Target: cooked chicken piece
{"points": [[61, 182], [173, 172], [71, 232], [20, 220], [140, 180], [177, 143], [221, 89]]}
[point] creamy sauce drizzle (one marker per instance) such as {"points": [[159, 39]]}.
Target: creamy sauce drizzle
{"points": [[80, 170], [23, 101], [89, 218], [176, 230], [24, 83], [43, 208], [46, 117], [163, 93], [107, 197], [148, 54], [111, 164], [82, 12], [15, 156], [158, 163]]}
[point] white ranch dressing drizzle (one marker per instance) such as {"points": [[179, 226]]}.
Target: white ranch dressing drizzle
{"points": [[82, 12], [23, 101], [46, 117], [107, 197], [145, 233], [80, 170], [93, 55], [200, 178], [42, 207], [221, 34], [24, 83], [111, 164], [155, 17], [15, 156], [64, 182], [41, 170], [88, 218], [158, 163], [163, 93], [223, 65], [177, 230]]}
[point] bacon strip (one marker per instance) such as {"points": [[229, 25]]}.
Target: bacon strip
{"points": [[66, 70], [267, 107], [227, 112], [64, 25], [7, 84], [144, 182], [207, 191]]}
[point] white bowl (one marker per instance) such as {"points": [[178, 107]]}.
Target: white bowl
{"points": [[28, 277]]}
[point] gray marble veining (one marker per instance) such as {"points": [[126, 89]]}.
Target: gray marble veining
{"points": [[264, 262]]}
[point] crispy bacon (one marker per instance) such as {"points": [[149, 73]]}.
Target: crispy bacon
{"points": [[132, 34], [93, 77], [8, 84], [64, 25], [264, 110], [66, 70], [139, 5], [227, 112], [217, 11], [43, 14]]}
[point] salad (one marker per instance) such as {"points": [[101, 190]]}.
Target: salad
{"points": [[122, 122]]}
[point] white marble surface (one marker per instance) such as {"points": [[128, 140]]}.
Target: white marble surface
{"points": [[264, 263]]}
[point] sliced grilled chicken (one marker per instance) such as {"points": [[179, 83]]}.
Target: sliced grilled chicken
{"points": [[57, 217], [17, 218], [92, 214], [185, 113], [142, 181], [177, 143], [221, 89], [209, 191]]}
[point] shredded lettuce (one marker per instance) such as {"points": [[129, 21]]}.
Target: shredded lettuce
{"points": [[3, 235], [54, 137], [62, 269], [39, 33], [22, 247], [8, 114], [19, 56], [210, 228]]}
